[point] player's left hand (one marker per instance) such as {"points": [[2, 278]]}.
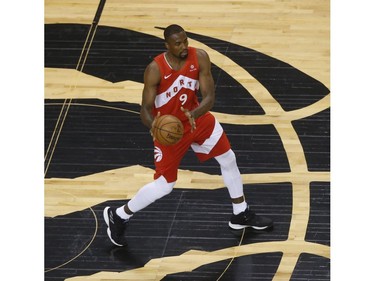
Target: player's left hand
{"points": [[190, 117]]}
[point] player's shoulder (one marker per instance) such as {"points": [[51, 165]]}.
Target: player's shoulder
{"points": [[202, 57], [152, 72], [201, 53], [152, 67]]}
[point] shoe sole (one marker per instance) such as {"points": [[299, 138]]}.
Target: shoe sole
{"points": [[240, 226], [106, 219]]}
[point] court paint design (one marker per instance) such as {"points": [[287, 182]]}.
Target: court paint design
{"points": [[96, 151]]}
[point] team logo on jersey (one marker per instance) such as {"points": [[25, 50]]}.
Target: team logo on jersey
{"points": [[158, 154], [192, 68]]}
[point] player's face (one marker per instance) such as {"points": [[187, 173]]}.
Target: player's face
{"points": [[177, 45]]}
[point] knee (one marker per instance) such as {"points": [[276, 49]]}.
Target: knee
{"points": [[228, 159], [163, 186]]}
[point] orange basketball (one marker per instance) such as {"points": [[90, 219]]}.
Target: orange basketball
{"points": [[168, 129]]}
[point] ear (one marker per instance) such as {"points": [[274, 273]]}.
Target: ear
{"points": [[166, 45]]}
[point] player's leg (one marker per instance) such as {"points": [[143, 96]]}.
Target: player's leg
{"points": [[167, 160], [242, 216], [232, 180], [116, 219], [216, 144]]}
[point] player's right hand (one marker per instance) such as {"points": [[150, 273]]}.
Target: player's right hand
{"points": [[153, 125]]}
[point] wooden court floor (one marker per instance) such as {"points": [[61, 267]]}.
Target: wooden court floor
{"points": [[270, 62]]}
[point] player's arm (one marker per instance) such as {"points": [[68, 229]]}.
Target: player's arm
{"points": [[151, 81], [206, 86]]}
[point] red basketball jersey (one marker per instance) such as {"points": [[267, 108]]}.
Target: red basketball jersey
{"points": [[177, 88]]}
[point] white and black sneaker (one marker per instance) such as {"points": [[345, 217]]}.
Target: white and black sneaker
{"points": [[116, 226], [249, 219]]}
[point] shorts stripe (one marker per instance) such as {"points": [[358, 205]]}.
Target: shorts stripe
{"points": [[209, 143]]}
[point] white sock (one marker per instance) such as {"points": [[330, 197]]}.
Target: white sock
{"points": [[122, 214], [239, 208]]}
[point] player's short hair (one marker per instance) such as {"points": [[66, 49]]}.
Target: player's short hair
{"points": [[172, 29]]}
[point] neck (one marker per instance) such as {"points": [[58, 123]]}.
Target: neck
{"points": [[174, 62]]}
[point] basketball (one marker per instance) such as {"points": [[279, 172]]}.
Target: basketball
{"points": [[168, 130]]}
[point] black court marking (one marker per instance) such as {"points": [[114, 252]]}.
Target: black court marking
{"points": [[183, 220], [96, 139], [68, 237], [66, 105]]}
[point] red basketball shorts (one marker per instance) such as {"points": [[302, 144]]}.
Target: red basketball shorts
{"points": [[207, 140]]}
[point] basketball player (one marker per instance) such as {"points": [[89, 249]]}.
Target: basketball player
{"points": [[171, 84]]}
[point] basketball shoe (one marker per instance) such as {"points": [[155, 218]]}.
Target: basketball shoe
{"points": [[249, 219], [116, 226]]}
